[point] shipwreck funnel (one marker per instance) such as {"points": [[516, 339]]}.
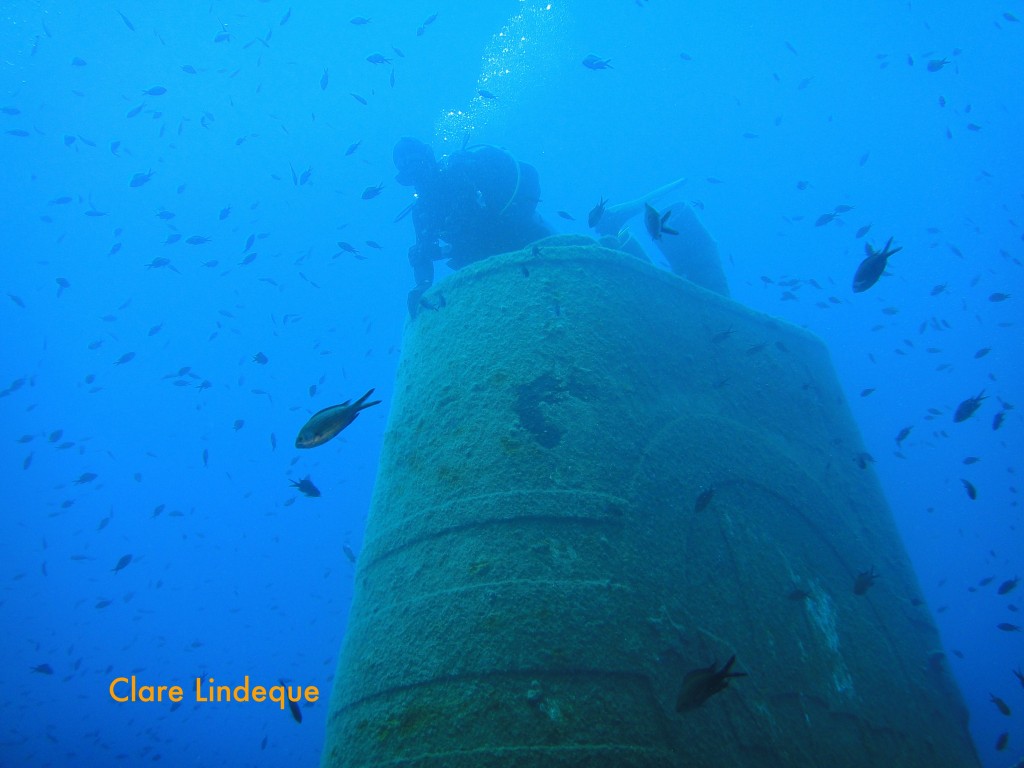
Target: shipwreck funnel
{"points": [[597, 478]]}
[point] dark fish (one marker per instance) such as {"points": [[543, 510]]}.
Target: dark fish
{"points": [[703, 683], [1002, 741], [371, 192], [352, 148], [85, 477], [140, 178], [566, 215], [1000, 705], [156, 90], [294, 707], [260, 358], [972, 492], [358, 21], [936, 64], [1008, 627], [323, 80], [486, 94], [306, 487], [998, 297], [824, 219], [1020, 677], [358, 98], [873, 266], [348, 553], [904, 433], [122, 563], [864, 581], [43, 669], [596, 62], [703, 499], [596, 213], [866, 392], [377, 58], [127, 357], [655, 222], [967, 408], [326, 424], [1008, 586], [127, 23]]}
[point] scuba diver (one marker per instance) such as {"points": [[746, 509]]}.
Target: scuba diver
{"points": [[480, 201]]}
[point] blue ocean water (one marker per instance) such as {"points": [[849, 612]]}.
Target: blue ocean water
{"points": [[178, 178]]}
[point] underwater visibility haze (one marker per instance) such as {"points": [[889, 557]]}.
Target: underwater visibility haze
{"points": [[219, 354]]}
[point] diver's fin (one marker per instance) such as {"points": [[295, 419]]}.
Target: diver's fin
{"points": [[615, 216]]}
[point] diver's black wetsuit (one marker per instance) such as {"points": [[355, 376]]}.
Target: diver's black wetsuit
{"points": [[480, 201]]}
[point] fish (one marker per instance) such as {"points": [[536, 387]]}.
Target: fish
{"points": [[324, 80], [1002, 741], [156, 90], [484, 94], [1001, 705], [972, 492], [864, 581], [358, 21], [306, 487], [703, 499], [967, 408], [655, 222], [353, 147], [1020, 676], [260, 359], [872, 267], [294, 707], [596, 213], [85, 477], [997, 297], [1005, 627], [140, 178], [596, 62], [122, 563], [377, 58], [904, 433], [327, 423], [936, 64], [1008, 586], [348, 553], [566, 215], [702, 683], [42, 669], [371, 192]]}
